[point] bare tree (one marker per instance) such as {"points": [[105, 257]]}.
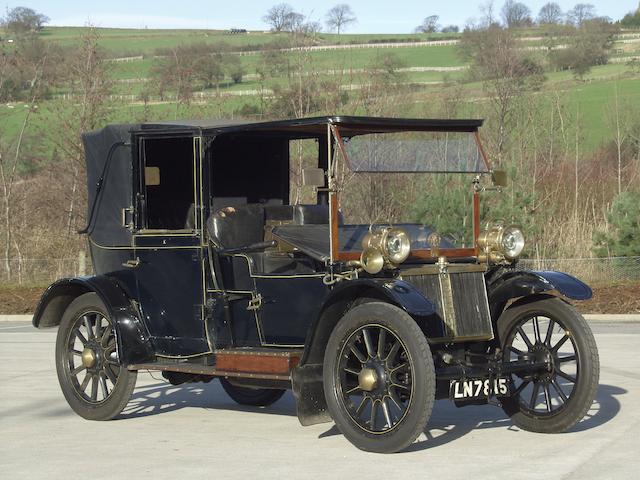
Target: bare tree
{"points": [[580, 13], [516, 14], [428, 25], [279, 17], [550, 14], [23, 20], [339, 17]]}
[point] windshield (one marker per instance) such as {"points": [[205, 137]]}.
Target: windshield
{"points": [[388, 179], [453, 152]]}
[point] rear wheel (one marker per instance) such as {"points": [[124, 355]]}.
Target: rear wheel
{"points": [[379, 378], [257, 397], [92, 380], [549, 330]]}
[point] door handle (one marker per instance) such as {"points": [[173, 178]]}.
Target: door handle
{"points": [[132, 263]]}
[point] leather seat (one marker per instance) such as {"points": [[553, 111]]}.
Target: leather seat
{"points": [[233, 227]]}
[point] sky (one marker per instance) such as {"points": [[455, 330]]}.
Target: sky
{"points": [[374, 16]]}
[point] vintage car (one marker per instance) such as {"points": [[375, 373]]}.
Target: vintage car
{"points": [[284, 255]]}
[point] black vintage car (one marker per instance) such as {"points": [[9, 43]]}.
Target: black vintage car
{"points": [[278, 255]]}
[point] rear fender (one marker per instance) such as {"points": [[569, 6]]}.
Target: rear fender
{"points": [[134, 345], [518, 284]]}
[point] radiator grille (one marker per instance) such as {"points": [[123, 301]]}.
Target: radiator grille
{"points": [[461, 302]]}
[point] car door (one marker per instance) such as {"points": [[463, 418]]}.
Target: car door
{"points": [[168, 247]]}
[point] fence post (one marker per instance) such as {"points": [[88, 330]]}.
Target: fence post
{"points": [[82, 263]]}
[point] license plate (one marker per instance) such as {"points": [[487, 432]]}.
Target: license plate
{"points": [[478, 388]]}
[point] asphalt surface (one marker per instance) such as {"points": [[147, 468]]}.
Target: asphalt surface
{"points": [[196, 431]]}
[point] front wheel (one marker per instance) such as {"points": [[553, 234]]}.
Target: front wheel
{"points": [[550, 331], [92, 380], [379, 379]]}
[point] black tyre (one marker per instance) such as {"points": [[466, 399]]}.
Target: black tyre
{"points": [[92, 380], [257, 397], [379, 380], [550, 330]]}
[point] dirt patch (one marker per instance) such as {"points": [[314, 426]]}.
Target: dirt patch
{"points": [[19, 300], [622, 298]]}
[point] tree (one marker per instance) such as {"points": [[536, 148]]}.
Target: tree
{"points": [[429, 24], [450, 29], [516, 14], [550, 14], [23, 20], [339, 17], [631, 19], [580, 13], [623, 237], [279, 17]]}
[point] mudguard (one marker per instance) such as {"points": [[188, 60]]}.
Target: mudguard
{"points": [[522, 283], [133, 342]]}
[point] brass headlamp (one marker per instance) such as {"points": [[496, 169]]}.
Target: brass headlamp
{"points": [[386, 246], [500, 243]]}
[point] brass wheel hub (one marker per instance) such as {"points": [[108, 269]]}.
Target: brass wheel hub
{"points": [[367, 379], [88, 358]]}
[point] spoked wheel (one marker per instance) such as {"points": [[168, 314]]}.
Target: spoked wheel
{"points": [[92, 380], [379, 379], [556, 398], [257, 397]]}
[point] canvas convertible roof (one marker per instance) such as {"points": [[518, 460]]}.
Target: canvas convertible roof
{"points": [[315, 126]]}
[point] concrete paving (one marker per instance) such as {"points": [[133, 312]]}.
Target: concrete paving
{"points": [[196, 431]]}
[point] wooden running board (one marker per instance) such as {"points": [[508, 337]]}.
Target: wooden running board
{"points": [[259, 363]]}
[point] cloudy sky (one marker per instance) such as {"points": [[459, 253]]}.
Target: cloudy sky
{"points": [[374, 16]]}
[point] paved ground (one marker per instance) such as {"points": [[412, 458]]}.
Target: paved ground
{"points": [[196, 431]]}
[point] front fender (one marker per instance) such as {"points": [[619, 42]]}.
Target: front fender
{"points": [[516, 284], [346, 293], [134, 345]]}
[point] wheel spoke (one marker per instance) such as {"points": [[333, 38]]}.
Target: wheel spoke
{"points": [[547, 338], [97, 327], [103, 384], [547, 398], [402, 365], [85, 382], [80, 337], [382, 338], [368, 342], [393, 352], [566, 376], [78, 369], [374, 410], [399, 385], [521, 387], [385, 410], [360, 356], [76, 352], [94, 388], [558, 389], [363, 402], [87, 325], [560, 343], [515, 350], [536, 330], [568, 358], [534, 396], [352, 371], [105, 335], [110, 374], [354, 389], [524, 337]]}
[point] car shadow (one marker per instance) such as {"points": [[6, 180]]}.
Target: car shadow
{"points": [[448, 422], [162, 397]]}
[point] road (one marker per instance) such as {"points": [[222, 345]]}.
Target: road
{"points": [[196, 431]]}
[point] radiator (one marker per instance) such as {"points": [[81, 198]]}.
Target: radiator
{"points": [[461, 303]]}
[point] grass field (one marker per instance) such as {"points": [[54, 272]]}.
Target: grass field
{"points": [[592, 97]]}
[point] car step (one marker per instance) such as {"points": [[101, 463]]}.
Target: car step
{"points": [[258, 363]]}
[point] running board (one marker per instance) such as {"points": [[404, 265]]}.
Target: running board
{"points": [[258, 363]]}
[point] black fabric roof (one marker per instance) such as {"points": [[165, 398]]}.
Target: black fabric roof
{"points": [[349, 125]]}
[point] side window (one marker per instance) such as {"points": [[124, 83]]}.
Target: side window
{"points": [[167, 183], [303, 154]]}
